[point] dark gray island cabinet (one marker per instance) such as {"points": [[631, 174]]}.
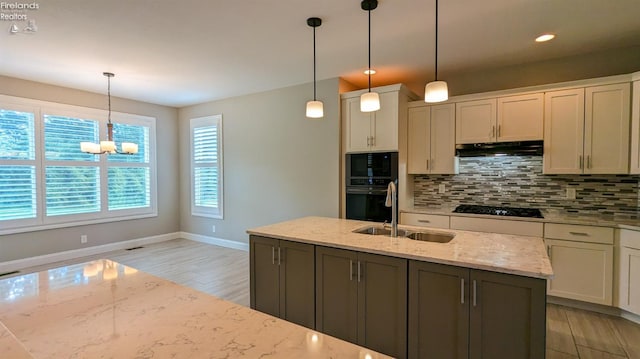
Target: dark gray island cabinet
{"points": [[480, 296], [456, 312]]}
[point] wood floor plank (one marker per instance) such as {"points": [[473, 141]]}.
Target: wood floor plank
{"points": [[588, 353], [628, 333], [553, 354], [592, 330], [559, 337]]}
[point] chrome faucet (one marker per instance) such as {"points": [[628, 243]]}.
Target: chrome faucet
{"points": [[392, 201]]}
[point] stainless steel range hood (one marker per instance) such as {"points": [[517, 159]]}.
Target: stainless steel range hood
{"points": [[519, 148]]}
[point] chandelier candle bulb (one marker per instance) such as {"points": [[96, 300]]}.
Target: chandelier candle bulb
{"points": [[128, 147]]}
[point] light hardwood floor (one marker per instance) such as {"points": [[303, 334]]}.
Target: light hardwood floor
{"points": [[223, 272]]}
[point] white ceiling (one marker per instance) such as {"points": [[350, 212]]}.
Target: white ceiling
{"points": [[179, 53]]}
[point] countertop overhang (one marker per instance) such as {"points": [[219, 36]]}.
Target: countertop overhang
{"points": [[511, 254]]}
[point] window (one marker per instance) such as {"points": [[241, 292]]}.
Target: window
{"points": [[45, 180], [206, 166]]}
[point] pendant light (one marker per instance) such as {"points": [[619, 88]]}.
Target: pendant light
{"points": [[315, 107], [436, 91], [108, 146], [369, 101]]}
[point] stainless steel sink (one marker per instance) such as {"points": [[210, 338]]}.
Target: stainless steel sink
{"points": [[431, 237], [380, 231]]}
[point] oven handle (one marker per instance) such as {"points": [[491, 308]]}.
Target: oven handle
{"points": [[366, 191]]}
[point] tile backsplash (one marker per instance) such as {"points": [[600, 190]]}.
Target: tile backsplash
{"points": [[517, 181]]}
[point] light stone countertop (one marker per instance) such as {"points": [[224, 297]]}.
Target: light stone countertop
{"points": [[520, 255], [550, 216], [78, 312]]}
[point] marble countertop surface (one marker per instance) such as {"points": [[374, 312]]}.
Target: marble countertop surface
{"points": [[502, 253], [103, 309], [550, 216]]}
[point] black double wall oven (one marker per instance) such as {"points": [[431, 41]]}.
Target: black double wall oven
{"points": [[367, 178]]}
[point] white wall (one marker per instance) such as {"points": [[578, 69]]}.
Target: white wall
{"points": [[278, 165], [24, 245]]}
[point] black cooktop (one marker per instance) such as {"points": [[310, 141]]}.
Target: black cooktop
{"points": [[499, 211]]}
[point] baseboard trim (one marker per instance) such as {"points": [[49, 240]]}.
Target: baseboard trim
{"points": [[215, 241], [630, 316], [598, 308], [18, 264]]}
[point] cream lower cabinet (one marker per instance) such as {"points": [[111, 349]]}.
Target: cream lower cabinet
{"points": [[431, 140], [582, 262], [629, 271], [586, 130]]}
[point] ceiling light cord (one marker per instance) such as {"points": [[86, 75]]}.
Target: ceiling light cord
{"points": [[109, 96], [436, 40], [314, 63], [369, 12]]}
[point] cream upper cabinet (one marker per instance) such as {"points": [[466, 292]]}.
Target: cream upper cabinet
{"points": [[520, 118], [476, 121], [372, 131], [587, 130], [431, 140], [635, 129], [582, 261], [511, 118], [563, 131]]}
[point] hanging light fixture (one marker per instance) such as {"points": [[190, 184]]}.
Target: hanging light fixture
{"points": [[436, 91], [108, 146], [315, 107], [369, 101]]}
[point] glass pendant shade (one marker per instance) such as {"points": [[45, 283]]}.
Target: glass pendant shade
{"points": [[369, 102], [315, 109], [436, 91]]}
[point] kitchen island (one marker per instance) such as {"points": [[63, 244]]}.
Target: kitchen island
{"points": [[103, 309], [481, 295]]}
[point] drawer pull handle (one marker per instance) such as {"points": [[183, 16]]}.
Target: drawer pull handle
{"points": [[579, 234], [461, 290], [350, 270], [475, 294], [358, 271], [424, 221]]}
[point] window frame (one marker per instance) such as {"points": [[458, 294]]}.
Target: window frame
{"points": [[206, 211], [44, 222]]}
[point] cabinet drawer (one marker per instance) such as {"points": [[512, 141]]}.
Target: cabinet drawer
{"points": [[424, 220], [520, 228], [578, 233]]}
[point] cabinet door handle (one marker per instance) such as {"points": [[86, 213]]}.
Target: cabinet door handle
{"points": [[350, 270], [427, 164], [358, 271], [549, 252], [588, 161], [461, 290], [279, 256], [493, 131], [498, 130], [273, 255], [475, 293], [580, 162], [373, 140], [582, 234], [424, 221], [368, 144]]}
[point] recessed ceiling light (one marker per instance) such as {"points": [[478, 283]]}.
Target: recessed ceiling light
{"points": [[370, 72], [545, 37]]}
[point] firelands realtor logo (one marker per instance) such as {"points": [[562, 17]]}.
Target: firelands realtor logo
{"points": [[19, 14]]}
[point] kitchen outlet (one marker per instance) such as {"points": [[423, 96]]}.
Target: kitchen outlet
{"points": [[441, 188], [571, 193], [213, 229], [83, 238]]}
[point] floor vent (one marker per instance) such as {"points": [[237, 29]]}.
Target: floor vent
{"points": [[9, 273], [134, 248]]}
